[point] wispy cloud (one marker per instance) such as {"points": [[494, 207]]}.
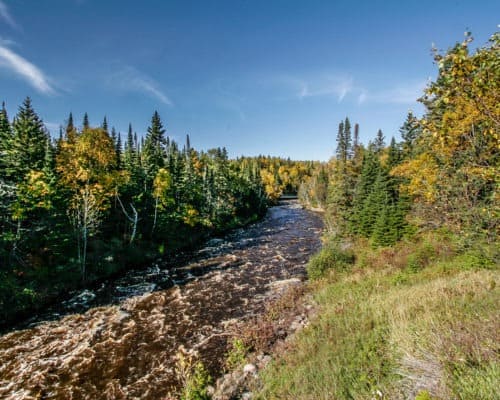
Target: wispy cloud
{"points": [[25, 70], [5, 15], [320, 85], [337, 86], [406, 93], [129, 79]]}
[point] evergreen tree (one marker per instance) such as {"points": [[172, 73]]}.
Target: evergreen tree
{"points": [[5, 141], [70, 125], [341, 143], [153, 153], [356, 136], [379, 142], [104, 126], [28, 142], [118, 150], [360, 222], [341, 188], [86, 124], [410, 131], [348, 139], [130, 152], [394, 154]]}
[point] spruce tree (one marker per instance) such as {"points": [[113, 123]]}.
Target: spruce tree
{"points": [[379, 142], [28, 142], [118, 150], [104, 125], [348, 139], [410, 132], [154, 147], [70, 125], [86, 124], [130, 152], [341, 143], [362, 206]]}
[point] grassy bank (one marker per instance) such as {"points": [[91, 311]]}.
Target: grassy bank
{"points": [[418, 320]]}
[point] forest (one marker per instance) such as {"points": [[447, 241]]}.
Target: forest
{"points": [[89, 204]]}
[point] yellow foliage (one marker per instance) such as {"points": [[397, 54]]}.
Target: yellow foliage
{"points": [[421, 173]]}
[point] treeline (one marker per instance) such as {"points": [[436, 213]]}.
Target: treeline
{"points": [[443, 173], [90, 203]]}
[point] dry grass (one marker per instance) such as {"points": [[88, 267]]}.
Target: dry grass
{"points": [[417, 319]]}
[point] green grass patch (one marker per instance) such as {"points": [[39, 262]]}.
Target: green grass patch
{"points": [[330, 258], [417, 320]]}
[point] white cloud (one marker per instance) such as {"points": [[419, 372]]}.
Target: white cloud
{"points": [[338, 86], [129, 79], [24, 69], [5, 15], [401, 94]]}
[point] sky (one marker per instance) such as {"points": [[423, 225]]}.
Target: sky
{"points": [[258, 77]]}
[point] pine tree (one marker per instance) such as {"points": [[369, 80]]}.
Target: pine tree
{"points": [[362, 206], [70, 125], [356, 136], [117, 143], [104, 125], [379, 142], [340, 191], [348, 139], [153, 153], [130, 153], [394, 154], [86, 124], [28, 142], [410, 132], [341, 143], [118, 150]]}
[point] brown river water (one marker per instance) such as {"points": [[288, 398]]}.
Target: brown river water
{"points": [[120, 341]]}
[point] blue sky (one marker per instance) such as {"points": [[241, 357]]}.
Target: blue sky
{"points": [[259, 77]]}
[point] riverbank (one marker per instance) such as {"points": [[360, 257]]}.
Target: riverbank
{"points": [[418, 320], [47, 299]]}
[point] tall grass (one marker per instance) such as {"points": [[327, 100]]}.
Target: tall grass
{"points": [[419, 320]]}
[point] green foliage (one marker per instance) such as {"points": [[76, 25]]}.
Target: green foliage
{"points": [[194, 378], [236, 356], [330, 257], [421, 257], [196, 388], [423, 395], [28, 144]]}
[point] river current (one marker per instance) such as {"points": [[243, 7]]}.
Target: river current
{"points": [[121, 340]]}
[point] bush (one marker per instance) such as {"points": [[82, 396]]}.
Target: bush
{"points": [[193, 377], [236, 356], [330, 257]]}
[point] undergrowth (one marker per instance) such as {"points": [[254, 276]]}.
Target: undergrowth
{"points": [[418, 320]]}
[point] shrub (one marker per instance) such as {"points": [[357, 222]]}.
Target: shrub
{"points": [[236, 356], [193, 376], [330, 257]]}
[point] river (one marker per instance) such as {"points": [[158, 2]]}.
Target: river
{"points": [[121, 340]]}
